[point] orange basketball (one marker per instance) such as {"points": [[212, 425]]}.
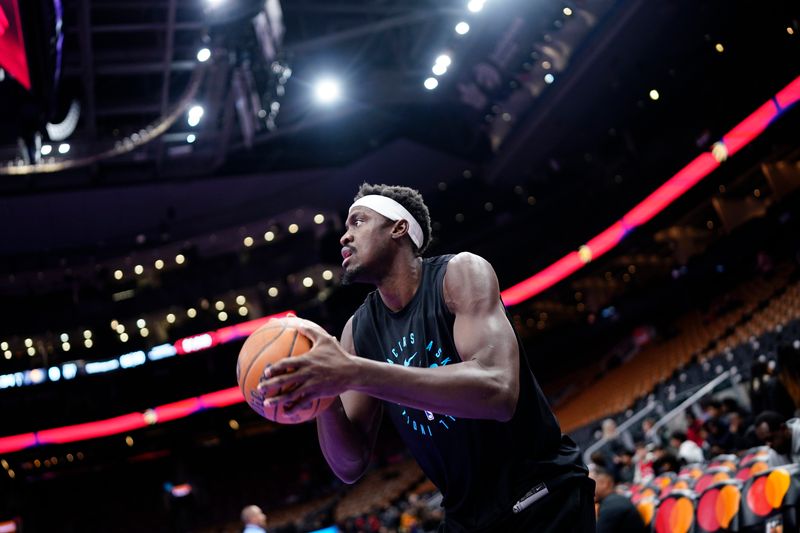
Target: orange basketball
{"points": [[269, 344]]}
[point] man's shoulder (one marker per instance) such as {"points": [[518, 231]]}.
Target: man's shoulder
{"points": [[464, 266]]}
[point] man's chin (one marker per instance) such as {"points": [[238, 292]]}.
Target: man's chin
{"points": [[351, 275]]}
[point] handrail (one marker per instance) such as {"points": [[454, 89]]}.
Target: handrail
{"points": [[621, 428], [664, 420]]}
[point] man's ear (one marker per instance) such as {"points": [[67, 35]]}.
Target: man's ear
{"points": [[399, 229]]}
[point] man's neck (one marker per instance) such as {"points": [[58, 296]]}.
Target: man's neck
{"points": [[401, 282]]}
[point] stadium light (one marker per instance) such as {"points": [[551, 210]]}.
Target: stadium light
{"points": [[475, 5], [195, 114], [462, 28], [327, 91], [439, 69], [63, 148], [203, 55], [46, 149]]}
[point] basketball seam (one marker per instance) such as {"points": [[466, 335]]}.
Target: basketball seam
{"points": [[291, 349], [255, 358]]}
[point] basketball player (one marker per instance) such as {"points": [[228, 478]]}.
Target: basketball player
{"points": [[433, 345]]}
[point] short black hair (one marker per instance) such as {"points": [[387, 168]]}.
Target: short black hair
{"points": [[679, 435], [602, 471], [774, 420], [409, 198]]}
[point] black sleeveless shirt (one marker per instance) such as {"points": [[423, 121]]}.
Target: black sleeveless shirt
{"points": [[482, 467]]}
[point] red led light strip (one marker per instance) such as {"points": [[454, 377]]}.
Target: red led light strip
{"points": [[736, 139], [163, 413], [122, 424]]}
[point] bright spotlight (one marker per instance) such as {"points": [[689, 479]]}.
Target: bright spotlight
{"points": [[327, 91], [439, 69], [63, 148], [46, 149], [462, 28], [567, 11], [444, 59], [549, 78], [195, 114], [475, 5], [191, 138], [654, 95], [203, 55], [431, 83]]}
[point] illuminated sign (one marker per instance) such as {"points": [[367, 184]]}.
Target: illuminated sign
{"points": [[195, 343], [161, 351], [98, 367], [129, 360]]}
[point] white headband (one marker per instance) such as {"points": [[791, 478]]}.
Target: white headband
{"points": [[393, 211]]}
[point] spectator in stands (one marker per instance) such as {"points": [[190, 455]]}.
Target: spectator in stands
{"points": [[599, 458], [648, 433], [675, 440], [664, 462], [689, 452], [789, 372], [616, 441], [767, 393], [712, 409], [718, 439], [737, 428], [643, 462], [694, 428], [254, 519], [624, 467], [781, 435], [730, 405], [686, 450], [615, 513]]}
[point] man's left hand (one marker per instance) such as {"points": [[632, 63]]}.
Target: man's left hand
{"points": [[326, 370]]}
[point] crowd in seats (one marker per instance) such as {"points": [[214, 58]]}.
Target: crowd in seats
{"points": [[730, 492], [418, 511], [752, 309], [379, 489], [722, 468], [769, 497]]}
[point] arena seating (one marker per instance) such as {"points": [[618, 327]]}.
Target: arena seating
{"points": [[687, 504], [378, 489], [767, 307]]}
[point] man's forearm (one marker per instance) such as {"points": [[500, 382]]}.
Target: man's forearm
{"points": [[344, 446], [464, 390]]}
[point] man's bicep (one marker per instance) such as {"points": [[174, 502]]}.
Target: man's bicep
{"points": [[488, 338], [482, 330]]}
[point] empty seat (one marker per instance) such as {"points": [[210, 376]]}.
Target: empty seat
{"points": [[718, 507], [771, 499], [712, 475], [675, 513]]}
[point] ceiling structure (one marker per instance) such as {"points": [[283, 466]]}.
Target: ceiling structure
{"points": [[542, 105]]}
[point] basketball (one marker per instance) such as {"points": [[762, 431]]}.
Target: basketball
{"points": [[267, 345]]}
